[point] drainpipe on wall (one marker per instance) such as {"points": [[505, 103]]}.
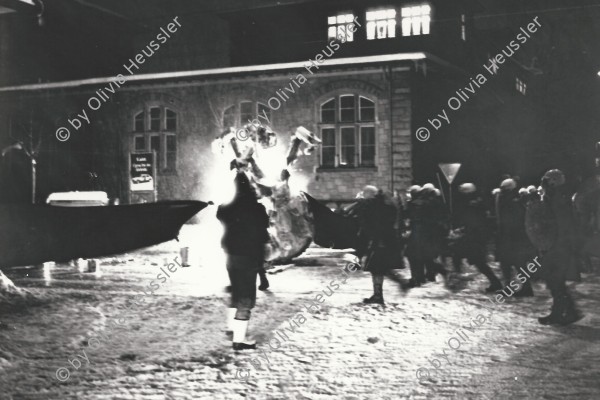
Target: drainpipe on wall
{"points": [[388, 71]]}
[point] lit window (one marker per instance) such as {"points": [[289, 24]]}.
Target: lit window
{"points": [[339, 27], [246, 112], [263, 113], [229, 118], [521, 86], [381, 24], [416, 20], [347, 132]]}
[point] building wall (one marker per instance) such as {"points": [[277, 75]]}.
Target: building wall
{"points": [[108, 139]]}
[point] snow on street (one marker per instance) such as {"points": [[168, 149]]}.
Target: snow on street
{"points": [[174, 346]]}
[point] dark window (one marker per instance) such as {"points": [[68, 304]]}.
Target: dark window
{"points": [[171, 120], [328, 112], [348, 147], [367, 109], [367, 146], [328, 147], [155, 119], [140, 143], [155, 146], [138, 125], [171, 153], [351, 140], [158, 135], [347, 111]]}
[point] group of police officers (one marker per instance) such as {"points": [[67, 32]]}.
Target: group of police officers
{"points": [[529, 223]]}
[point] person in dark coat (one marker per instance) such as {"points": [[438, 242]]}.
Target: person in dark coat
{"points": [[425, 213], [245, 222], [470, 221], [436, 221], [558, 260], [377, 238], [513, 248]]}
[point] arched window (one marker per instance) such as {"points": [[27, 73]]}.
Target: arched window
{"points": [[347, 127], [155, 129], [138, 123]]}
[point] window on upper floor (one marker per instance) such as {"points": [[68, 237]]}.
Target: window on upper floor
{"points": [[155, 130], [521, 86], [416, 20], [347, 129], [381, 24], [339, 27]]}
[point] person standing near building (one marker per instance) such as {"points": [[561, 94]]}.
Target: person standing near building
{"points": [[377, 238], [470, 221], [513, 248], [550, 225], [245, 222]]}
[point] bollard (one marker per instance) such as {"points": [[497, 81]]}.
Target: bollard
{"points": [[91, 265], [184, 253]]}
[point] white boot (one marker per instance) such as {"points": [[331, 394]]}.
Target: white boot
{"points": [[239, 336], [230, 318]]}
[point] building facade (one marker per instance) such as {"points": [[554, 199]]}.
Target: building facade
{"points": [[363, 76]]}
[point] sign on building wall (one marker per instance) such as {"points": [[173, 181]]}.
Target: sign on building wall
{"points": [[142, 178]]}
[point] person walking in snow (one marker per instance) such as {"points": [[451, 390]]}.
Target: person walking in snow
{"points": [[377, 238], [245, 221]]}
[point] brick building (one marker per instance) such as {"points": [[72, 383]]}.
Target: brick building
{"points": [[227, 61]]}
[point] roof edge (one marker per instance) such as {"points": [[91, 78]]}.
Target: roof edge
{"points": [[216, 71]]}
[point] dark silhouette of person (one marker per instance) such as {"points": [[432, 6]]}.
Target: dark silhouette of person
{"points": [[513, 248], [558, 258], [470, 220], [245, 222], [377, 238]]}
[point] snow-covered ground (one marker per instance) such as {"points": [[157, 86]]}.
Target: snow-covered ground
{"points": [[173, 346]]}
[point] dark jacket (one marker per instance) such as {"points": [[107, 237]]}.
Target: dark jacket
{"points": [[245, 222], [470, 217], [428, 226], [512, 243], [377, 234]]}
